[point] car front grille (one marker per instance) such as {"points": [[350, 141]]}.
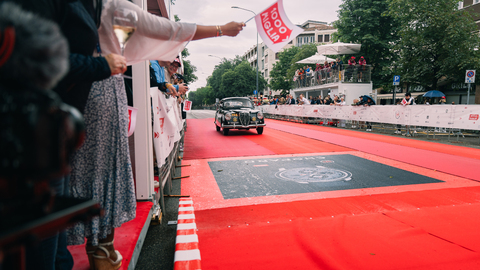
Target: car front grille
{"points": [[244, 118]]}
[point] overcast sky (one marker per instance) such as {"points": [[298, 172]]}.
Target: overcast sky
{"points": [[218, 12]]}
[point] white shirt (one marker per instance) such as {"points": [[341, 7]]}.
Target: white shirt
{"points": [[305, 101], [155, 37]]}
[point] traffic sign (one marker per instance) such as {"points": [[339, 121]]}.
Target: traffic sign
{"points": [[255, 92], [470, 76], [396, 80]]}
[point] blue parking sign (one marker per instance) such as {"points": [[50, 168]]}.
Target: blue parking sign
{"points": [[255, 92], [396, 80]]}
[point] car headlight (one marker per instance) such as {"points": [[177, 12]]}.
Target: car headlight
{"points": [[228, 116], [260, 115]]}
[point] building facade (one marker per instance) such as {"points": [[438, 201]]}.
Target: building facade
{"points": [[314, 32], [473, 7]]}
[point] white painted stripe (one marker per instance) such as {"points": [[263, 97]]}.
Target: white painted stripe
{"points": [[187, 216], [191, 238], [190, 208], [187, 255], [185, 202], [186, 226]]}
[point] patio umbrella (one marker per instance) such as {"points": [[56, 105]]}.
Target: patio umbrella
{"points": [[316, 58], [433, 93], [339, 48]]}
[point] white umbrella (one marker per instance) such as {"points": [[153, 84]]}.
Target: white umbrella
{"points": [[339, 48], [316, 58]]}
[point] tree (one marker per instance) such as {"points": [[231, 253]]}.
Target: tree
{"points": [[364, 22], [188, 68], [283, 71], [436, 41], [234, 78], [278, 75], [305, 51]]}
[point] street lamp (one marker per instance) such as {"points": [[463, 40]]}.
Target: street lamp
{"points": [[257, 42], [215, 56]]}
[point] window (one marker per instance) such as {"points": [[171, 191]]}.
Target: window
{"points": [[327, 38], [266, 58], [291, 41], [276, 56], [320, 38], [262, 65], [266, 73], [299, 41], [263, 51]]}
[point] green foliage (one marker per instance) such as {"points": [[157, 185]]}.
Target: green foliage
{"points": [[234, 78], [202, 96], [305, 51], [364, 22], [278, 74], [283, 71], [436, 40], [188, 68]]}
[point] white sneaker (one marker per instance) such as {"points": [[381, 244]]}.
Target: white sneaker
{"points": [[368, 129], [397, 132]]}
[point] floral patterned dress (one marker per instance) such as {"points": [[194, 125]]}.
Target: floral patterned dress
{"points": [[101, 168]]}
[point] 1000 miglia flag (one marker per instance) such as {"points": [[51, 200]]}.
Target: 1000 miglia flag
{"points": [[275, 28]]}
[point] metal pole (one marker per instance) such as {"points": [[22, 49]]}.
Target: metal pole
{"points": [[258, 91], [468, 93]]}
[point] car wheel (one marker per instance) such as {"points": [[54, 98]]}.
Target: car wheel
{"points": [[218, 128], [260, 130], [225, 131]]}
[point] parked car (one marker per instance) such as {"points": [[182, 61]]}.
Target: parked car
{"points": [[238, 113]]}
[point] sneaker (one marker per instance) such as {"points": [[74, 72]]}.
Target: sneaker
{"points": [[397, 132], [369, 129]]}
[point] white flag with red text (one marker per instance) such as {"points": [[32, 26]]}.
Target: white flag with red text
{"points": [[275, 28]]}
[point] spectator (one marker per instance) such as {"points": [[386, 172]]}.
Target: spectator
{"points": [[281, 101], [361, 68], [335, 100], [302, 100], [327, 100], [351, 68], [443, 100], [301, 75], [407, 100]]}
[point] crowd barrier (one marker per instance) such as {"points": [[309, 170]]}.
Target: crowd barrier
{"points": [[437, 116], [168, 134]]}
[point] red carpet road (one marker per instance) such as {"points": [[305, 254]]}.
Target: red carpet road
{"points": [[428, 226]]}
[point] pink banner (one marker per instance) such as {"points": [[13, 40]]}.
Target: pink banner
{"points": [[275, 28], [187, 105], [132, 118]]}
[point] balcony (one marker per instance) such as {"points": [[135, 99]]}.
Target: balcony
{"points": [[347, 74]]}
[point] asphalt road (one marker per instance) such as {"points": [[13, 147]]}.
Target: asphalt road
{"points": [[200, 114]]}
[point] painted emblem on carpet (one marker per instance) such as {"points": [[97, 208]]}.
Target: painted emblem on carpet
{"points": [[311, 175], [303, 174]]}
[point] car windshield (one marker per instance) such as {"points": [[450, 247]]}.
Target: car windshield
{"points": [[237, 103]]}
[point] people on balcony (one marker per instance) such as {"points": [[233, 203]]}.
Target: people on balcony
{"points": [[361, 68], [350, 68]]}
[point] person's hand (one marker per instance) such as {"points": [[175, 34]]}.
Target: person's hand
{"points": [[182, 88], [232, 28], [117, 63], [180, 100], [172, 91]]}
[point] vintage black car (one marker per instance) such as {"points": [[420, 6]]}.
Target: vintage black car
{"points": [[238, 113]]}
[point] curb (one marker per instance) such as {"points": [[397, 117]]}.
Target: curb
{"points": [[187, 253]]}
